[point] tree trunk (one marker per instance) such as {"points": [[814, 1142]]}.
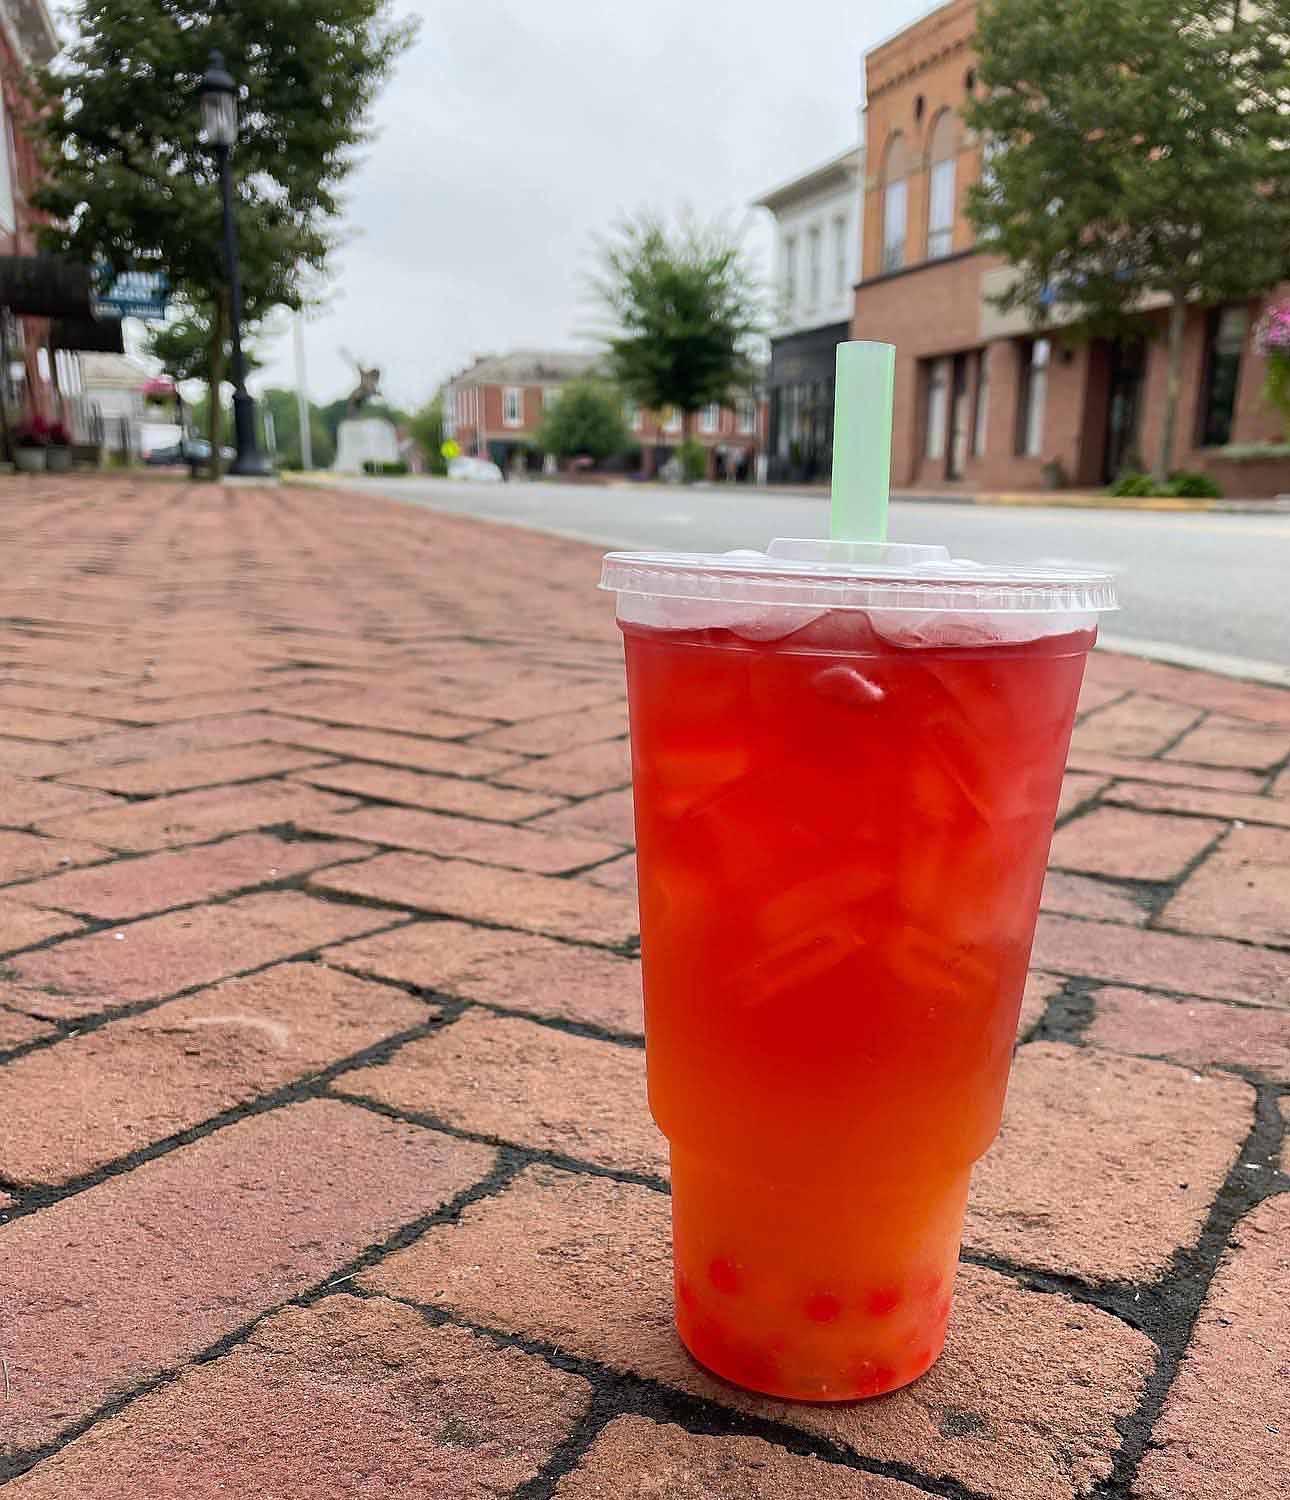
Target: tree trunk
{"points": [[1173, 384], [215, 417]]}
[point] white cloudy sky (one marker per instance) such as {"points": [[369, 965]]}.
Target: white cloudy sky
{"points": [[514, 130]]}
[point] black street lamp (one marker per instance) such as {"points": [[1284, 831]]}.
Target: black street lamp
{"points": [[219, 123]]}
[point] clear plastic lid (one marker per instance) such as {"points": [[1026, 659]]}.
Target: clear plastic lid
{"points": [[807, 573]]}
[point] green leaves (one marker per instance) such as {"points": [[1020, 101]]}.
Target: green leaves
{"points": [[685, 311], [129, 182], [1136, 148], [587, 418]]}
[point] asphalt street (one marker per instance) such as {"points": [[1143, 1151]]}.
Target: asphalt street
{"points": [[1210, 589]]}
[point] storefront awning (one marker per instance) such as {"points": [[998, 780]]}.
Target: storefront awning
{"points": [[48, 286]]}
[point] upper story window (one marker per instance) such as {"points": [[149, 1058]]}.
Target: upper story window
{"points": [[8, 206], [790, 271], [839, 255], [513, 406], [632, 415], [746, 415], [895, 202], [709, 417], [813, 254], [940, 192], [672, 419]]}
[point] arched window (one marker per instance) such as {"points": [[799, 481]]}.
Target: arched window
{"points": [[895, 202], [941, 153]]}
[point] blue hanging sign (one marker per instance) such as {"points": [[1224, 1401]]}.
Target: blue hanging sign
{"points": [[130, 294]]}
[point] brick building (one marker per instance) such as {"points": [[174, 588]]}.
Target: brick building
{"points": [[27, 41], [816, 265], [984, 397], [494, 409]]}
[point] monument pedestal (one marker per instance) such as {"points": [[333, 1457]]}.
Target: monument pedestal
{"points": [[362, 440]]}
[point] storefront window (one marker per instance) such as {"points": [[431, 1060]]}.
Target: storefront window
{"points": [[1225, 339]]}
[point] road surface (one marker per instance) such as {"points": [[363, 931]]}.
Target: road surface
{"points": [[1209, 589]]}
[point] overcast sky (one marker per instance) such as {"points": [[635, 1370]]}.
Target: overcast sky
{"points": [[514, 130]]}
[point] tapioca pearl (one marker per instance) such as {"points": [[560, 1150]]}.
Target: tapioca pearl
{"points": [[869, 1378], [882, 1300], [724, 1275], [929, 1284], [823, 1307]]}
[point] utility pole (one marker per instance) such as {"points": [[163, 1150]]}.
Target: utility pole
{"points": [[302, 396]]}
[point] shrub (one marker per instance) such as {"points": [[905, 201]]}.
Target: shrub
{"points": [[1192, 484], [373, 466], [1133, 483], [693, 458]]}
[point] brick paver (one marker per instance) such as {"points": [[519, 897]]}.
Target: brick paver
{"points": [[1149, 1143], [510, 970], [634, 1456], [508, 1080], [320, 1026], [1241, 891], [466, 838], [163, 955], [1208, 1442], [347, 1398], [105, 1094], [1199, 1033], [503, 898], [202, 1241], [1132, 846], [585, 1266], [476, 799], [180, 877]]}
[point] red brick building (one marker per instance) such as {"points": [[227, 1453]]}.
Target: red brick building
{"points": [[27, 41], [983, 398], [494, 409]]}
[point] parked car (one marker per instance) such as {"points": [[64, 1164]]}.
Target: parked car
{"points": [[477, 470], [190, 451]]}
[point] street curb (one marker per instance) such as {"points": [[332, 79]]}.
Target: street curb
{"points": [[1217, 663], [1073, 500]]}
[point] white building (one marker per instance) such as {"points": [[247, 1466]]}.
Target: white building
{"points": [[109, 405], [818, 232]]}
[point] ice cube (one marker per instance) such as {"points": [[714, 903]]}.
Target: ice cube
{"points": [[848, 685]]}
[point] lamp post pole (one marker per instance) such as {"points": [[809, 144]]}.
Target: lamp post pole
{"points": [[219, 116]]}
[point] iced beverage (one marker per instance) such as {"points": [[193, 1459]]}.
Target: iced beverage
{"points": [[843, 818]]}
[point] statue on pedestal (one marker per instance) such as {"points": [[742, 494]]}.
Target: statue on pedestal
{"points": [[364, 444]]}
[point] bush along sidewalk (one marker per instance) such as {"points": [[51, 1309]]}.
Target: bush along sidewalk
{"points": [[1189, 484]]}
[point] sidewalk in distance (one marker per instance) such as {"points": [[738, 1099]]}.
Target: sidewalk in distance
{"points": [[325, 1166]]}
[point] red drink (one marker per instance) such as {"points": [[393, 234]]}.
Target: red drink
{"points": [[841, 844]]}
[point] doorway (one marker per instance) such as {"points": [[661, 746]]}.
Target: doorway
{"points": [[1127, 362], [956, 456]]}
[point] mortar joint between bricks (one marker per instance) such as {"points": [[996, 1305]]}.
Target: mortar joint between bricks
{"points": [[1182, 1290]]}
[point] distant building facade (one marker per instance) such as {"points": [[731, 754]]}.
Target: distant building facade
{"points": [[985, 398], [28, 353], [494, 409], [816, 264]]}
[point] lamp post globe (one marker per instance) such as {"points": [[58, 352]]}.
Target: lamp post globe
{"points": [[219, 126]]}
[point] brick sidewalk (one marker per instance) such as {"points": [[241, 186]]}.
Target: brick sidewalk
{"points": [[327, 1164]]}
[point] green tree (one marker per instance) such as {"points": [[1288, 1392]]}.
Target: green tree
{"points": [[128, 182], [1134, 151], [183, 347], [285, 410], [685, 309], [426, 428], [587, 418]]}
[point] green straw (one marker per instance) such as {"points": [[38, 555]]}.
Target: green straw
{"points": [[866, 377]]}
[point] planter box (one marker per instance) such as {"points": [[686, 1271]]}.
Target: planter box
{"points": [[1250, 478], [29, 460], [58, 460]]}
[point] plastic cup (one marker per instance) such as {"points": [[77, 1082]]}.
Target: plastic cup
{"points": [[846, 764]]}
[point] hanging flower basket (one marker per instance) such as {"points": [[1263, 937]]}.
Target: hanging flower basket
{"points": [[159, 391], [1272, 340]]}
